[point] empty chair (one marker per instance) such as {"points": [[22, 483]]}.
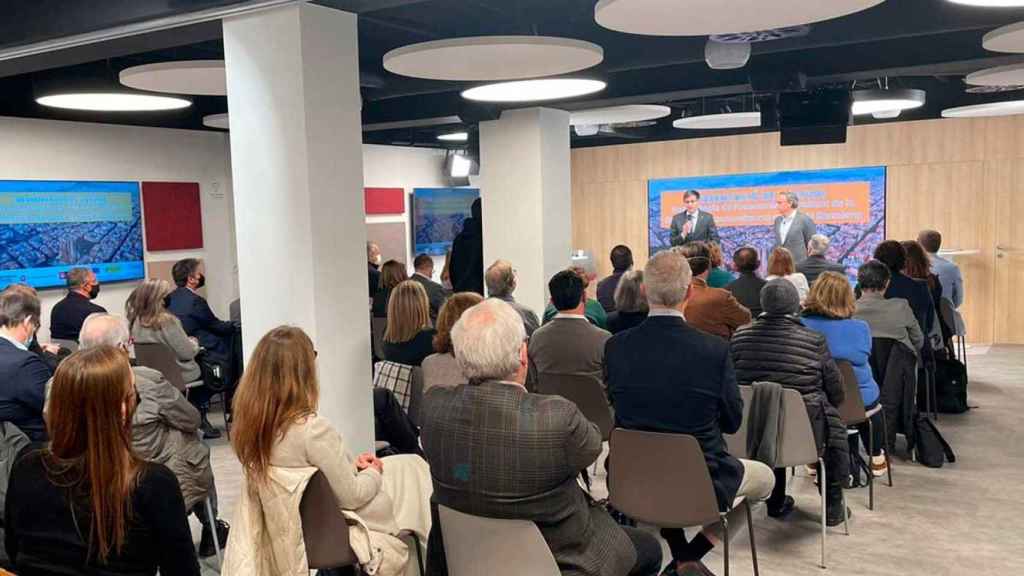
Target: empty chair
{"points": [[952, 318], [586, 392], [161, 358], [737, 443], [656, 498], [415, 395], [474, 545], [852, 412]]}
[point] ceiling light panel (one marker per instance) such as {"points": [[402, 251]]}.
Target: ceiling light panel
{"points": [[113, 102], [1010, 75], [491, 58], [197, 77], [1009, 108], [990, 3], [454, 137], [730, 121], [216, 121], [874, 101], [1006, 39], [618, 114], [534, 90], [705, 17]]}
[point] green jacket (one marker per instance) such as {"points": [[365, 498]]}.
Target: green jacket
{"points": [[593, 311]]}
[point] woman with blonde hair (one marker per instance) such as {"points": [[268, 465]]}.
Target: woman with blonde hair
{"points": [[829, 310], [281, 441], [409, 336], [86, 504], [392, 273], [782, 265], [440, 368]]}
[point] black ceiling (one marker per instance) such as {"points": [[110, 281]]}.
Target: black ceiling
{"points": [[927, 44]]}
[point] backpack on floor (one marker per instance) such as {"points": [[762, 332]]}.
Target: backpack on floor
{"points": [[951, 386], [931, 448]]}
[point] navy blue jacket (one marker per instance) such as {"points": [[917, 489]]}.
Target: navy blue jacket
{"points": [[23, 378], [69, 314], [199, 321], [666, 376], [916, 293]]}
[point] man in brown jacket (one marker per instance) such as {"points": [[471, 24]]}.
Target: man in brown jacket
{"points": [[712, 310]]}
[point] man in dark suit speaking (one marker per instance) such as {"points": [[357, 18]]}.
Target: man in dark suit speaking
{"points": [[691, 224], [793, 229]]}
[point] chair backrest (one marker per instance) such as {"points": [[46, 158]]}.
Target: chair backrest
{"points": [[377, 328], [851, 411], [951, 317], [160, 358], [586, 392], [797, 445], [69, 344], [737, 443], [324, 528], [475, 545], [677, 494], [415, 395]]}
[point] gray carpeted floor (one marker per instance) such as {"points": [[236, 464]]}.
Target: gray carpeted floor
{"points": [[964, 518]]}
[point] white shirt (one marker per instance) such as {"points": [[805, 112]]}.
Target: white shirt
{"points": [[665, 312], [572, 316], [784, 226], [692, 219], [19, 345]]}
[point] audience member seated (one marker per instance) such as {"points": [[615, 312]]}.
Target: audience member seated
{"points": [[67, 315], [440, 368], [915, 292], [51, 354], [85, 503], [373, 260], [409, 336], [216, 336], [918, 268], [622, 260], [164, 428], [666, 376], [747, 288], [816, 263], [630, 303], [392, 273], [544, 442], [592, 310], [150, 323], [713, 310], [424, 274], [501, 283], [828, 310], [718, 276], [568, 344], [781, 265], [465, 262], [281, 442], [947, 271], [23, 374], [887, 318], [778, 348]]}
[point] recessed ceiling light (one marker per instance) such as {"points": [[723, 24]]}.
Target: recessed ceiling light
{"points": [[984, 110], [216, 121], [454, 137], [727, 121], [871, 101], [113, 102], [990, 3], [534, 90]]}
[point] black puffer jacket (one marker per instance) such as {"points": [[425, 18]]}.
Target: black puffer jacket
{"points": [[781, 349]]}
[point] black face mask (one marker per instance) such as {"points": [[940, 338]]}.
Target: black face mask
{"points": [[167, 301], [94, 292], [202, 281]]}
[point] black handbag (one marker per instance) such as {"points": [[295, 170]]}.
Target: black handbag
{"points": [[931, 448]]}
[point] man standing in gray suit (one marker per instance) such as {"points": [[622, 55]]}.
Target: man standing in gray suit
{"points": [[793, 229], [692, 224]]}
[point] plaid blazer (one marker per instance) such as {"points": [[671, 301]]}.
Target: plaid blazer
{"points": [[496, 450]]}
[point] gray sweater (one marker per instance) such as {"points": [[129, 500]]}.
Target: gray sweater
{"points": [[172, 335]]}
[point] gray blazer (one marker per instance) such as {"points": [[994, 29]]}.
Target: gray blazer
{"points": [[436, 294], [441, 370], [496, 450], [799, 235], [530, 320], [705, 230], [567, 346], [890, 318]]}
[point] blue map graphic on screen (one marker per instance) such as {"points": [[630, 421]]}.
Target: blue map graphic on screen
{"points": [[50, 227], [847, 205], [438, 214]]}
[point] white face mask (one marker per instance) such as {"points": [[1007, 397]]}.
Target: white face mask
{"points": [[378, 259]]}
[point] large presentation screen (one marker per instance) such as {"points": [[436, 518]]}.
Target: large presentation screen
{"points": [[848, 206], [49, 227], [438, 214]]}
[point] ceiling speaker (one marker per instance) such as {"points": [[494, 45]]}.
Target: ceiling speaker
{"points": [[726, 56]]}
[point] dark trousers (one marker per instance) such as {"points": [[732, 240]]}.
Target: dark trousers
{"points": [[833, 492], [392, 425], [200, 508]]}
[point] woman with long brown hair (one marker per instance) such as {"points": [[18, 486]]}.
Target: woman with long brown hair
{"points": [[440, 368], [281, 441], [86, 504], [782, 265], [392, 273], [918, 267], [409, 336]]}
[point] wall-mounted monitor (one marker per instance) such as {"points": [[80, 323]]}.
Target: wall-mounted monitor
{"points": [[50, 227], [438, 214]]}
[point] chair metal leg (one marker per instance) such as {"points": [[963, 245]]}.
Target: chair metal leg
{"points": [[419, 554], [725, 540], [213, 528], [871, 465], [846, 518], [885, 441], [824, 512], [750, 527]]}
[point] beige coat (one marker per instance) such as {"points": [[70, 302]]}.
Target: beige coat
{"points": [[266, 534]]}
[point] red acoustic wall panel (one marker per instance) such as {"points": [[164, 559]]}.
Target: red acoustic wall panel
{"points": [[384, 200], [173, 215]]}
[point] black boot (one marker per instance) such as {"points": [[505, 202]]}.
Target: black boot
{"points": [[207, 428], [834, 504], [206, 547]]}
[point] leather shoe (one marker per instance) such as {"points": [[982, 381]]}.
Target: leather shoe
{"points": [[836, 518], [208, 429], [782, 511], [206, 547]]}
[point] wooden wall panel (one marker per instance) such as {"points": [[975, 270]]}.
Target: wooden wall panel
{"points": [[963, 177]]}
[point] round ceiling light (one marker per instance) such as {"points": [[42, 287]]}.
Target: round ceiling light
{"points": [[534, 90], [454, 137], [872, 101], [729, 121], [198, 77], [216, 121], [993, 89], [113, 102], [490, 58], [886, 114], [984, 110], [990, 3], [705, 17], [1006, 39], [1010, 75], [618, 114]]}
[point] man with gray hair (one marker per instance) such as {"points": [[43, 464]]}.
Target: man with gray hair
{"points": [[164, 427], [542, 443], [501, 283], [793, 229], [67, 315], [667, 376], [816, 262]]}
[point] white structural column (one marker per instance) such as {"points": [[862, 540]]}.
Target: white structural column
{"points": [[296, 162], [526, 197]]}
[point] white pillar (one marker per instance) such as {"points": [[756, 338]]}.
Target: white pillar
{"points": [[296, 152], [526, 197]]}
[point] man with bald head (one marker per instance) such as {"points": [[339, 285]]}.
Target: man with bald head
{"points": [[501, 283]]}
